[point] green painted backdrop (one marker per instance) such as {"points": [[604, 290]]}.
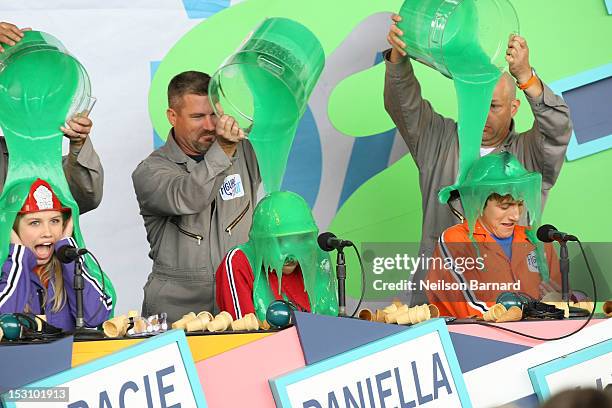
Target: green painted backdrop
{"points": [[565, 37]]}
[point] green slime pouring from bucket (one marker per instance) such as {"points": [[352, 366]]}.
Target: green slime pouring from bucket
{"points": [[465, 40], [265, 86], [462, 40], [40, 86]]}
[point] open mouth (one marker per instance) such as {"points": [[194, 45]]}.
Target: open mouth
{"points": [[43, 251]]}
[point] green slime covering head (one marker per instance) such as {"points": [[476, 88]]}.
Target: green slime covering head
{"points": [[41, 85], [503, 174], [283, 228]]}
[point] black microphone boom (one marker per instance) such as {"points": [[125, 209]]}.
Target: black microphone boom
{"points": [[328, 242], [68, 253], [548, 233]]}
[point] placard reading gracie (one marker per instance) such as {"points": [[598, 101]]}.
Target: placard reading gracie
{"points": [[153, 379], [154, 373], [414, 373]]}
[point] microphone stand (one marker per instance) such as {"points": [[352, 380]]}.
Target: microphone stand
{"points": [[80, 332], [564, 267], [341, 275], [78, 290]]}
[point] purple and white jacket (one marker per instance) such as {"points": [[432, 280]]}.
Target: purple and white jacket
{"points": [[20, 285]]}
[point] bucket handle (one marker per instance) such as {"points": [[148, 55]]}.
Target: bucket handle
{"points": [[437, 28], [274, 68]]}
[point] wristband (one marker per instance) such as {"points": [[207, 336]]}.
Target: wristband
{"points": [[530, 82]]}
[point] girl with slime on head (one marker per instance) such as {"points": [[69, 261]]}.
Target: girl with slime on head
{"points": [[281, 260]]}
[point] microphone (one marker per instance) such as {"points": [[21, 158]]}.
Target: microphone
{"points": [[548, 233], [328, 242], [68, 253]]}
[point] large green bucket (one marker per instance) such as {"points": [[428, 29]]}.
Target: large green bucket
{"points": [[265, 86], [458, 38], [41, 85]]}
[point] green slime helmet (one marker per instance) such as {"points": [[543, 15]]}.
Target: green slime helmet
{"points": [[503, 174], [283, 228]]}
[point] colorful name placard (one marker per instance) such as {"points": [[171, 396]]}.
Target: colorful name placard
{"points": [[158, 372], [589, 367], [414, 368]]}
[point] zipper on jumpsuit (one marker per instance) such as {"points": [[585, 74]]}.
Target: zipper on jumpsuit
{"points": [[237, 220], [229, 228], [199, 238]]}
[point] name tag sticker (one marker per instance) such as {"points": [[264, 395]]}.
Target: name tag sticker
{"points": [[231, 187], [532, 262]]}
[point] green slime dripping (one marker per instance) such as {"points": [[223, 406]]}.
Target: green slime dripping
{"points": [[475, 78], [274, 126], [503, 173], [283, 228], [39, 84], [457, 52]]}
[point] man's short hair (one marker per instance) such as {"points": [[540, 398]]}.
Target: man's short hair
{"points": [[188, 82], [501, 199]]}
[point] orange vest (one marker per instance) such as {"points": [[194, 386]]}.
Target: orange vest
{"points": [[464, 288]]}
